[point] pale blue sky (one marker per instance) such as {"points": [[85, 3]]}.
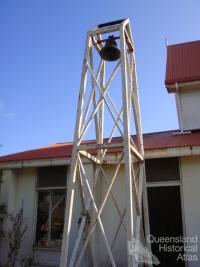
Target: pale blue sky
{"points": [[41, 51]]}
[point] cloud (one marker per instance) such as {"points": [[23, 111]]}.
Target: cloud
{"points": [[1, 105], [9, 115], [4, 113]]}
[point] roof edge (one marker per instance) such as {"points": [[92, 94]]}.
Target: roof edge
{"points": [[183, 43], [149, 154], [171, 88]]}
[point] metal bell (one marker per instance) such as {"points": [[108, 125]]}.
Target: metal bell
{"points": [[110, 52]]}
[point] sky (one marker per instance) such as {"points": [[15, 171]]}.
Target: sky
{"points": [[41, 52]]}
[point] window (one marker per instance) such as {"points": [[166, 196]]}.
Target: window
{"points": [[164, 205], [51, 187], [162, 169], [165, 219]]}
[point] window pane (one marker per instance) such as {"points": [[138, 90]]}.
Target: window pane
{"points": [[54, 176], [166, 169], [42, 229], [57, 218]]}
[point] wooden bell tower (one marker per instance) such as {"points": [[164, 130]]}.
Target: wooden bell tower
{"points": [[102, 96]]}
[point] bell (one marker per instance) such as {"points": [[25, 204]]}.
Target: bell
{"points": [[110, 52]]}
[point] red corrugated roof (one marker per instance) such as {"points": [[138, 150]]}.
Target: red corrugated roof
{"points": [[183, 63], [151, 141]]}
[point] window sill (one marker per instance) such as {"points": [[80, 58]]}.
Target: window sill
{"points": [[46, 249]]}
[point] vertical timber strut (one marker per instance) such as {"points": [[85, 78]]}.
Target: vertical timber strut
{"points": [[94, 105]]}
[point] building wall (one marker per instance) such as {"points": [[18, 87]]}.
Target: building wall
{"points": [[19, 186], [26, 197], [190, 170], [7, 198], [18, 189], [111, 219], [190, 108]]}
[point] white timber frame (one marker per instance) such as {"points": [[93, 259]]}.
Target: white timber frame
{"points": [[132, 151]]}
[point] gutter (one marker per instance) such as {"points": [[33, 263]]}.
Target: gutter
{"points": [[173, 152], [34, 163], [171, 88]]}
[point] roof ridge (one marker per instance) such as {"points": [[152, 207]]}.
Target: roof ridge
{"points": [[167, 131], [184, 43]]}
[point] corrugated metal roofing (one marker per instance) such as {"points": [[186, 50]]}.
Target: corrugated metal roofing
{"points": [[158, 140], [183, 63]]}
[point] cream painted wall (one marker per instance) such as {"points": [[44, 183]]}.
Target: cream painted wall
{"points": [[19, 187], [190, 108], [26, 195], [190, 170], [111, 219], [113, 226], [7, 197], [8, 189]]}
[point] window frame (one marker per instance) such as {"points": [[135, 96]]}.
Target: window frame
{"points": [[49, 190], [172, 183]]}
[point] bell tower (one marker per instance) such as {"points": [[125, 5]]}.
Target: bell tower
{"points": [[108, 107]]}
